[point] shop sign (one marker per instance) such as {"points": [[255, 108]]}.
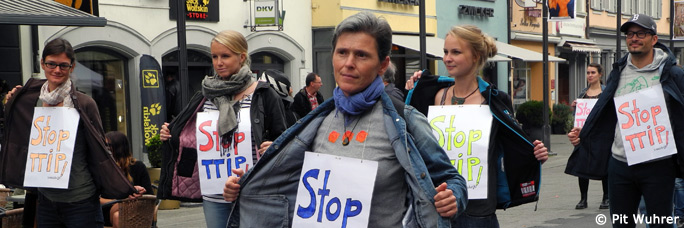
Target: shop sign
{"points": [[404, 2], [152, 97], [573, 27], [197, 10], [476, 11], [265, 13]]}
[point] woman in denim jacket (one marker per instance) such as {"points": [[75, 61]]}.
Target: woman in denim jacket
{"points": [[415, 186]]}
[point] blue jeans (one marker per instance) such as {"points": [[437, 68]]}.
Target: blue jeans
{"points": [[216, 214], [467, 221], [86, 213], [653, 180], [679, 198]]}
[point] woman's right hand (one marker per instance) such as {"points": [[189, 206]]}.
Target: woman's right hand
{"points": [[573, 136], [10, 93], [165, 134], [415, 77]]}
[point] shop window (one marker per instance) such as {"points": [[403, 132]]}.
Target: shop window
{"points": [[264, 61], [199, 66], [102, 74], [520, 83]]}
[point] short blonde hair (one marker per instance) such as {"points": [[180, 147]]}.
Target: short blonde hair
{"points": [[482, 45], [235, 42]]}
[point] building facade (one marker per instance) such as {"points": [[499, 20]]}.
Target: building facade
{"points": [[108, 58]]}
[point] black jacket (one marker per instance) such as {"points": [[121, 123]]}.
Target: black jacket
{"points": [[268, 122], [590, 158], [508, 142], [301, 105]]}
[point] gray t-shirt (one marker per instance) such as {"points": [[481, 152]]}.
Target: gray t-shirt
{"points": [[81, 185], [633, 79], [388, 205]]}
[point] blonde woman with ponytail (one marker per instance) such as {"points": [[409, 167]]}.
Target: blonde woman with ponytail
{"points": [[466, 50]]}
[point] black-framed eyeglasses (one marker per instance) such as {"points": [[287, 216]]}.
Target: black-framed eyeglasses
{"points": [[62, 66], [639, 34]]}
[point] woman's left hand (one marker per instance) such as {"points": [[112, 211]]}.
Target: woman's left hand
{"points": [[140, 190], [264, 146], [540, 151]]}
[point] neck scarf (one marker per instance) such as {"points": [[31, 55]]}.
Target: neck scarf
{"points": [[360, 102], [59, 94], [221, 93]]}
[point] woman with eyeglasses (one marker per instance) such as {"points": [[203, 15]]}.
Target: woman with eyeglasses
{"points": [[93, 171]]}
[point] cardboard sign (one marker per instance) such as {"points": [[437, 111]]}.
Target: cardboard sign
{"points": [[645, 126], [215, 159], [463, 131], [51, 147], [582, 109], [334, 191]]}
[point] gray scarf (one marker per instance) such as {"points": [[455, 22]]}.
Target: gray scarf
{"points": [[59, 94], [221, 93]]}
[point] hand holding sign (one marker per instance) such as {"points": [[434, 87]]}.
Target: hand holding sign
{"points": [[231, 190], [445, 201]]}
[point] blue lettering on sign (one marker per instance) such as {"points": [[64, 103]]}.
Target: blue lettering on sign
{"points": [[239, 160], [351, 208]]}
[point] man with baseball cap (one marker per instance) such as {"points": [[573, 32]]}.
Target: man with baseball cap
{"points": [[602, 150]]}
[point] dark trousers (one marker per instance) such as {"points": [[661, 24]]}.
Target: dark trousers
{"points": [[653, 180], [85, 213], [465, 220]]}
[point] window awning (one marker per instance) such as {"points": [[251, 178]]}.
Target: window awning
{"points": [[45, 12], [434, 46], [579, 47], [522, 53]]}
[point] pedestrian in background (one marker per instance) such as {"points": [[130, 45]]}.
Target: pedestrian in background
{"points": [[230, 89], [388, 80], [309, 97], [594, 74]]}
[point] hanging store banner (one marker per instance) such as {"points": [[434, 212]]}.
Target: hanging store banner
{"points": [[88, 6], [196, 10], [561, 10], [265, 13], [152, 96], [679, 20]]}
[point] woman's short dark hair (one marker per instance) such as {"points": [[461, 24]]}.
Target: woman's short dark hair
{"points": [[59, 46], [366, 22]]}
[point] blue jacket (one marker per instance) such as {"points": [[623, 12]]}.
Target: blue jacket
{"points": [[268, 191], [511, 152], [590, 158]]}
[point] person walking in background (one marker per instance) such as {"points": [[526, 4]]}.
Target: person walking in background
{"points": [[419, 188], [281, 85], [308, 98], [600, 148], [134, 170], [230, 89], [466, 50], [388, 80], [594, 74], [93, 171]]}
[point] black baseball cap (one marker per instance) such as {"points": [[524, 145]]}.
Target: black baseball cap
{"points": [[642, 20]]}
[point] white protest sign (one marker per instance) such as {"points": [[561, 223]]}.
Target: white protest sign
{"points": [[463, 131], [214, 159], [645, 126], [51, 147], [582, 109], [334, 191]]}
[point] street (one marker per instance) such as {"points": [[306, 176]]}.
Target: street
{"points": [[556, 207]]}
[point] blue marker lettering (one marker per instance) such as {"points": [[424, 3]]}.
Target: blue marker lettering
{"points": [[308, 211]]}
